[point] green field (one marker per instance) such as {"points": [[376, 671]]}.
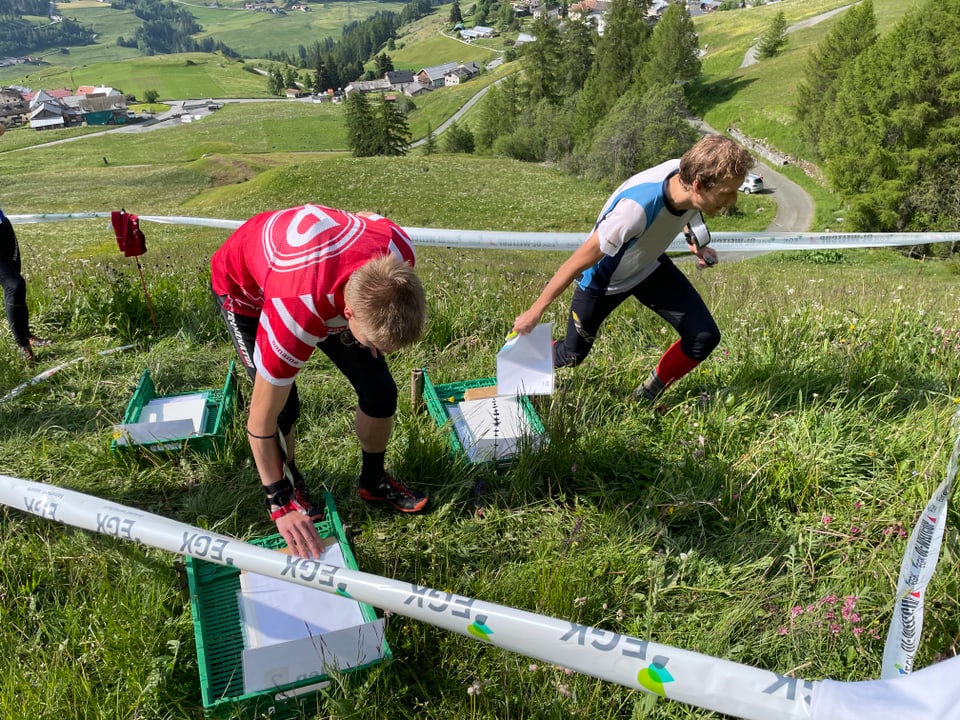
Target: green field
{"points": [[187, 75], [759, 99], [782, 473], [759, 515], [254, 34]]}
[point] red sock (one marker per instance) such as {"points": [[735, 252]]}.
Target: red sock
{"points": [[674, 364]]}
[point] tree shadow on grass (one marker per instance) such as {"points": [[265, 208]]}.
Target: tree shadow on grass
{"points": [[704, 96]]}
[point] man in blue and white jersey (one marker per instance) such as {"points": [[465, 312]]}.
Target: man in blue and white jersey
{"points": [[625, 257]]}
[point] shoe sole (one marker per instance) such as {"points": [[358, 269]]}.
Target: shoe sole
{"points": [[375, 499]]}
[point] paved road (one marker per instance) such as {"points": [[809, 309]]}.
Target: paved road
{"points": [[795, 207]]}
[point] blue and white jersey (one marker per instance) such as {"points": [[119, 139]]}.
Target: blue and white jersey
{"points": [[635, 227]]}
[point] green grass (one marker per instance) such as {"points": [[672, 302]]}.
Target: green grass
{"points": [[779, 474], [759, 99], [251, 34], [254, 34], [187, 75]]}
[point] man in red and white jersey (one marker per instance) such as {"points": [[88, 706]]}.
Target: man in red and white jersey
{"points": [[290, 281]]}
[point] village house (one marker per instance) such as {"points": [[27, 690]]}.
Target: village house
{"points": [[433, 77], [478, 31], [394, 81], [462, 73], [13, 107], [90, 105]]}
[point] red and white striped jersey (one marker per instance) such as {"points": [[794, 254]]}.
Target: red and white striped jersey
{"points": [[289, 268]]}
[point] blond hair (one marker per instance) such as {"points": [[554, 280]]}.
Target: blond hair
{"points": [[713, 160], [388, 300]]}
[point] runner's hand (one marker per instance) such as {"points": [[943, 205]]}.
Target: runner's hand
{"points": [[301, 535], [526, 322]]}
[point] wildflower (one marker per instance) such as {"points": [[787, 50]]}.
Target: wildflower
{"points": [[782, 630], [533, 667], [854, 530], [826, 519], [857, 505], [834, 628], [796, 610], [564, 690], [857, 631]]}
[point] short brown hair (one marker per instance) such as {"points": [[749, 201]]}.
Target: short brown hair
{"points": [[388, 299], [714, 159]]}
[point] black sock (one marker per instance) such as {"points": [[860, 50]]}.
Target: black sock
{"points": [[372, 471]]}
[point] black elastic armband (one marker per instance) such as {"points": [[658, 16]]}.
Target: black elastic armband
{"points": [[278, 494]]}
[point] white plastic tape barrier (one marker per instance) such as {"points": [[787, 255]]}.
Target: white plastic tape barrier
{"points": [[54, 370], [929, 694], [707, 682], [508, 240], [919, 561]]}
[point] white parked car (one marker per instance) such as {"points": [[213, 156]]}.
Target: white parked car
{"points": [[752, 184]]}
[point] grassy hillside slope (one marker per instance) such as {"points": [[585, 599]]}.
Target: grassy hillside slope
{"points": [[760, 515]]}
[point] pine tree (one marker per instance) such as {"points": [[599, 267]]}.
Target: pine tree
{"points": [[392, 132], [498, 113], [430, 143], [852, 33], [455, 15], [894, 123], [361, 131], [620, 55], [674, 50], [542, 61], [577, 47], [384, 64], [458, 140], [774, 38], [641, 130]]}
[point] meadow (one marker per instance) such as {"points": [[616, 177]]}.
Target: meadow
{"points": [[759, 515]]}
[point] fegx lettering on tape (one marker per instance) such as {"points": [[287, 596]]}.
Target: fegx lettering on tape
{"points": [[42, 506], [116, 526], [606, 641], [310, 571], [205, 546], [425, 597]]}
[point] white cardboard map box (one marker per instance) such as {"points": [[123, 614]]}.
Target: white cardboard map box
{"points": [[490, 428]]}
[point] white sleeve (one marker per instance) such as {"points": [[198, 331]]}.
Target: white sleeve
{"points": [[626, 220]]}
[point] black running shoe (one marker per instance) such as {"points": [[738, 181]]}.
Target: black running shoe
{"points": [[391, 490]]}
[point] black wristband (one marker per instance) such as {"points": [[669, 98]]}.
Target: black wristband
{"points": [[278, 494], [261, 437]]}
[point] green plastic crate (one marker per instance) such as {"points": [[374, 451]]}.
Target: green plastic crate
{"points": [[218, 631], [221, 404], [440, 398]]}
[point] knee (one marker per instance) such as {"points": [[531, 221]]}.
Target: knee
{"points": [[563, 358], [700, 344], [15, 291], [379, 399]]}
